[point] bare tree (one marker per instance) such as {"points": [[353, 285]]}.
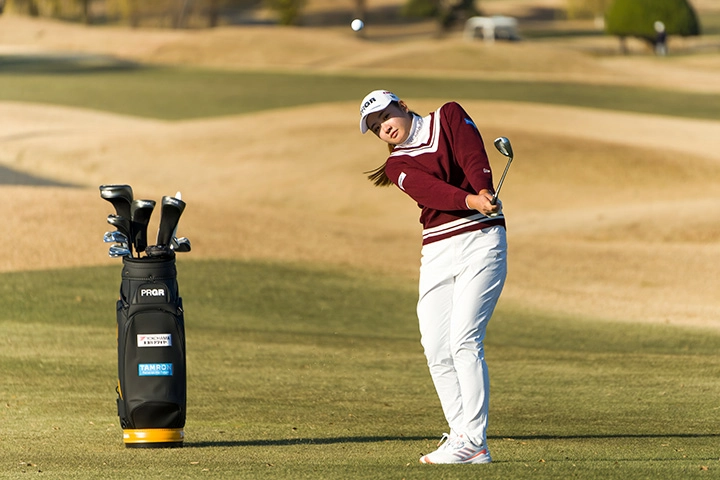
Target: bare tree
{"points": [[133, 7], [213, 13], [454, 11], [587, 8], [27, 6], [446, 12], [360, 9], [182, 15], [85, 11]]}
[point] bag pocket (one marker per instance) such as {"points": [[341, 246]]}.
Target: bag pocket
{"points": [[152, 369]]}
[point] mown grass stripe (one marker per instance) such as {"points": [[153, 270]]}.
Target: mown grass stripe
{"points": [[296, 371], [185, 93]]}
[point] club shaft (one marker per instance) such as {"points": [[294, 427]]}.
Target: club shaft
{"points": [[500, 183]]}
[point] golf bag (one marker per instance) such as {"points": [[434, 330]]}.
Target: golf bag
{"points": [[151, 354]]}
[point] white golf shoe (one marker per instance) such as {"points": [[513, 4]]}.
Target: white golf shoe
{"points": [[457, 450]]}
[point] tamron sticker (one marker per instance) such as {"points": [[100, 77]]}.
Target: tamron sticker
{"points": [[155, 370]]}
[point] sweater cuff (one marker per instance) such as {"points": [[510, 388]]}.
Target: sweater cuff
{"points": [[461, 200]]}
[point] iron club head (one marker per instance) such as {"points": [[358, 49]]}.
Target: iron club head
{"points": [[503, 145], [115, 237], [181, 244], [118, 251]]}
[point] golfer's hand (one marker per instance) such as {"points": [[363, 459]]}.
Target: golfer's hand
{"points": [[482, 203]]}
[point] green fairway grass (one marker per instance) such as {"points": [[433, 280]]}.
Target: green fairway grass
{"points": [[302, 372], [184, 93]]}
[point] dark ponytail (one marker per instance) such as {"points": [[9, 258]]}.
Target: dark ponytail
{"points": [[378, 175]]}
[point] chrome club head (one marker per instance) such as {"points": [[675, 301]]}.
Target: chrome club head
{"points": [[115, 237], [181, 244], [118, 251], [503, 145]]}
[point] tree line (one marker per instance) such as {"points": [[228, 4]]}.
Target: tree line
{"points": [[622, 18], [211, 13]]}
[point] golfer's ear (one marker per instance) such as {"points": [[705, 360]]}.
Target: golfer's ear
{"points": [[404, 106]]}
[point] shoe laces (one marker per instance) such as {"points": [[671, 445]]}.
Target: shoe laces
{"points": [[456, 442], [444, 439]]}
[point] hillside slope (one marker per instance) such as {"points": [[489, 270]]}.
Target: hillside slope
{"points": [[611, 215]]}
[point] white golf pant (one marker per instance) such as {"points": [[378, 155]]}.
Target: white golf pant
{"points": [[461, 279]]}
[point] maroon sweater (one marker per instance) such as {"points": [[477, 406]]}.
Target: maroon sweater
{"points": [[441, 162]]}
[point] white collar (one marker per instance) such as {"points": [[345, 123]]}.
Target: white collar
{"points": [[415, 131]]}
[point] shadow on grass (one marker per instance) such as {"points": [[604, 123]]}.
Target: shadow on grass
{"points": [[605, 436], [63, 63], [299, 441], [333, 440], [9, 176]]}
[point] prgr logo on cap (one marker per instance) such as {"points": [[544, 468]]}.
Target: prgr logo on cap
{"points": [[373, 99], [373, 102], [369, 102]]}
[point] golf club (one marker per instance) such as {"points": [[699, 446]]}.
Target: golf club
{"points": [[115, 237], [118, 251], [122, 224], [181, 244], [140, 212], [121, 196], [504, 147], [171, 210]]}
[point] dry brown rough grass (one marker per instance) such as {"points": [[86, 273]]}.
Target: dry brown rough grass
{"points": [[611, 215]]}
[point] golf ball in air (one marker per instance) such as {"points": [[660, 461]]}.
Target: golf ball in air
{"points": [[357, 24]]}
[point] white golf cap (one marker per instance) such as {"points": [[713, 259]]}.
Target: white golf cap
{"points": [[374, 102]]}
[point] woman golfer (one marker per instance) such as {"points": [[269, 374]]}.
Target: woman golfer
{"points": [[440, 162]]}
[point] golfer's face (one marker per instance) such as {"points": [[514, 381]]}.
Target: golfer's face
{"points": [[392, 124]]}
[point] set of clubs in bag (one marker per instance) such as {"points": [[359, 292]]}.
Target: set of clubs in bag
{"points": [[131, 219]]}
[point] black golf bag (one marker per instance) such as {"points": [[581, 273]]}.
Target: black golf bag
{"points": [[151, 354]]}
